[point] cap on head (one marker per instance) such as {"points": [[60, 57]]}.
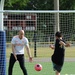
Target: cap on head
{"points": [[58, 34]]}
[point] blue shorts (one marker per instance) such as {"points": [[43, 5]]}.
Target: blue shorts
{"points": [[57, 67]]}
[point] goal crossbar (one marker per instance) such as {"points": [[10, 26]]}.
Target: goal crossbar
{"points": [[40, 11]]}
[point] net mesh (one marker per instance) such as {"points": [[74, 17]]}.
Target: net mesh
{"points": [[42, 23]]}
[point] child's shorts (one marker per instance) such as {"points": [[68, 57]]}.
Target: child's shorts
{"points": [[57, 67]]}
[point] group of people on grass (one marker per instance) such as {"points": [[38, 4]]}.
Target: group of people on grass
{"points": [[20, 41]]}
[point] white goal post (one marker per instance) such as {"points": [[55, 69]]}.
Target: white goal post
{"points": [[1, 14]]}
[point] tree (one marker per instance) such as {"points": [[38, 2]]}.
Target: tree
{"points": [[40, 5], [67, 4], [15, 4]]}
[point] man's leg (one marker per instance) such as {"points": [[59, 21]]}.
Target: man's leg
{"points": [[11, 64], [21, 62]]}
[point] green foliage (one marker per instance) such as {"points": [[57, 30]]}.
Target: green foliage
{"points": [[38, 4], [15, 4], [67, 4]]}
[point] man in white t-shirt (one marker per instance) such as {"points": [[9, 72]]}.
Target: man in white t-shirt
{"points": [[18, 43]]}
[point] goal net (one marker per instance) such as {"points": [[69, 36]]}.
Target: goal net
{"points": [[41, 23]]}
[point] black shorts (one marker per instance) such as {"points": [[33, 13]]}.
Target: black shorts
{"points": [[57, 67]]}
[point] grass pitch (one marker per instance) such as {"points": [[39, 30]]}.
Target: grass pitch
{"points": [[68, 68], [45, 52]]}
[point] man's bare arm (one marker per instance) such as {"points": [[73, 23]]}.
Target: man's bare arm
{"points": [[13, 50], [29, 53]]}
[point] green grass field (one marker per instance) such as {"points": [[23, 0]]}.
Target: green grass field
{"points": [[46, 52], [68, 68]]}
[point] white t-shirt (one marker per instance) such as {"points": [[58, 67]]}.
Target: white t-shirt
{"points": [[19, 44]]}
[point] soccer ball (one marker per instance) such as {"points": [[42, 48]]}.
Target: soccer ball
{"points": [[38, 67]]}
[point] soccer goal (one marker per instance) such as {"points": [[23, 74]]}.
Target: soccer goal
{"points": [[39, 27]]}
